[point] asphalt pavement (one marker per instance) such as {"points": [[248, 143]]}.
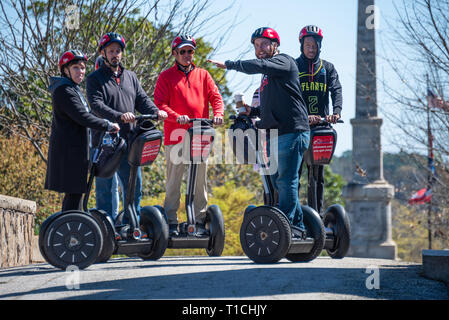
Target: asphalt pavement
{"points": [[223, 278]]}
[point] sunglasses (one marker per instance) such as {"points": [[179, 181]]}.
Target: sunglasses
{"points": [[190, 51]]}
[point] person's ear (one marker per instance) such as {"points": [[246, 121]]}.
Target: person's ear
{"points": [[66, 71]]}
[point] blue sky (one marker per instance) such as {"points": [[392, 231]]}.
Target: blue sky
{"points": [[338, 20]]}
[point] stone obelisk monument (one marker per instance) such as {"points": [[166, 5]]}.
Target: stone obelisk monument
{"points": [[368, 195]]}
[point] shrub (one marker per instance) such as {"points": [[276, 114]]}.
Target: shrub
{"points": [[232, 201], [22, 175]]}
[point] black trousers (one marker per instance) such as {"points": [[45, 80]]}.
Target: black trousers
{"points": [[72, 201], [315, 186]]}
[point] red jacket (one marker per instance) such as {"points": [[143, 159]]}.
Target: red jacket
{"points": [[178, 94]]}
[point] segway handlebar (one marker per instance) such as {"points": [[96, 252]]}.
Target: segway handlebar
{"points": [[147, 117], [241, 116], [324, 122], [208, 122]]}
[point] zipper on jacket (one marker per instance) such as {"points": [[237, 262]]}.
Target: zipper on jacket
{"points": [[186, 73]]}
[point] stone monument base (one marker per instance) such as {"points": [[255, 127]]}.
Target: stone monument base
{"points": [[369, 210], [367, 249]]}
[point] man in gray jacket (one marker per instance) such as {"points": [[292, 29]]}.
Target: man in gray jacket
{"points": [[114, 93]]}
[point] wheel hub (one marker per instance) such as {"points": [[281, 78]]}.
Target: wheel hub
{"points": [[73, 242], [262, 236]]}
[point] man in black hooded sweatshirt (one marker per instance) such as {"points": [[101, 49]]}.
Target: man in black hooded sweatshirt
{"points": [[318, 78]]}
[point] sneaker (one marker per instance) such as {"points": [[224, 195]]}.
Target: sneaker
{"points": [[173, 230], [298, 232]]}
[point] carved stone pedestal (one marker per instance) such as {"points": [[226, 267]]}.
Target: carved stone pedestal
{"points": [[369, 209]]}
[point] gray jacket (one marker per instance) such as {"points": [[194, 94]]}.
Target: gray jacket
{"points": [[110, 100]]}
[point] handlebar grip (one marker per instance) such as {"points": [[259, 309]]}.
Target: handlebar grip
{"points": [[203, 120], [323, 121], [147, 116]]}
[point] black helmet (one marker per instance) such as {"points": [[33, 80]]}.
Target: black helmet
{"points": [[109, 38]]}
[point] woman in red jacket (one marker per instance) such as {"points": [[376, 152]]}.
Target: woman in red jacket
{"points": [[184, 91]]}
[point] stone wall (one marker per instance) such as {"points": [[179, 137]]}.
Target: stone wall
{"points": [[16, 231]]}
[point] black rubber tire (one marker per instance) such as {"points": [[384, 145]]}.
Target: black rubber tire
{"points": [[265, 235], [42, 230], [108, 232], [153, 223], [216, 226], [335, 218], [74, 238], [249, 208], [162, 211], [315, 229]]}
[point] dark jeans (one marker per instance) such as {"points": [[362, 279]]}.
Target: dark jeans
{"points": [[291, 148], [317, 173]]}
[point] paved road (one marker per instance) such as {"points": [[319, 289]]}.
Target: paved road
{"points": [[223, 278]]}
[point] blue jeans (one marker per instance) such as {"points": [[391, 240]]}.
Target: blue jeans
{"points": [[115, 203], [291, 148], [106, 189]]}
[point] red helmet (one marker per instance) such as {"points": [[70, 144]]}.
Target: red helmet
{"points": [[109, 38], [313, 31], [69, 56], [266, 32], [182, 41]]}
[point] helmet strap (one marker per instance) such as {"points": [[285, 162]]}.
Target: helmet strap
{"points": [[69, 75], [275, 48]]}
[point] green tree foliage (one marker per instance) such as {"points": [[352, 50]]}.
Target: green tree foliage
{"points": [[34, 34]]}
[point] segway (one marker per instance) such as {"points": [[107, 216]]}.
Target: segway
{"points": [[199, 139], [323, 139], [145, 236], [266, 234], [76, 237], [80, 238]]}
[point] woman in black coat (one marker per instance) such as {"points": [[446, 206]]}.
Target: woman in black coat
{"points": [[68, 153]]}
